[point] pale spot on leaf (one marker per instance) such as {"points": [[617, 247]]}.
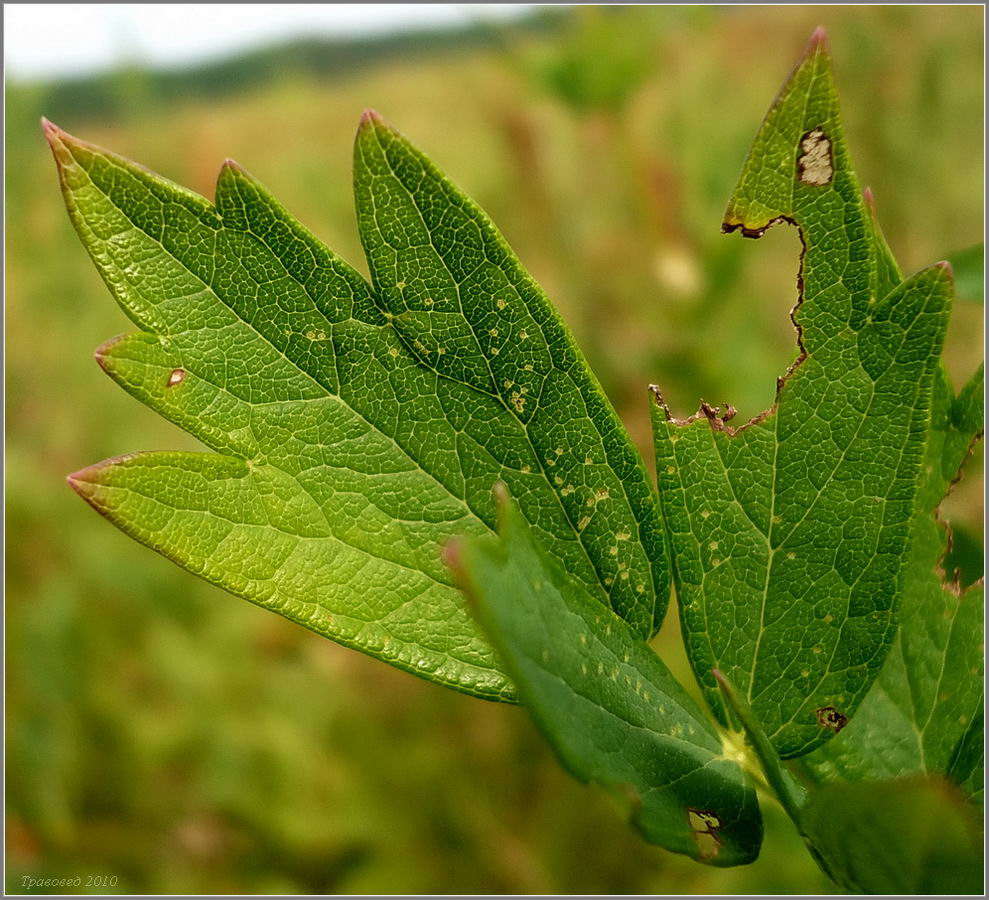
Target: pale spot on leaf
{"points": [[816, 166]]}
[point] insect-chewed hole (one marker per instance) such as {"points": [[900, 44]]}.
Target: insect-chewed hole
{"points": [[829, 717]]}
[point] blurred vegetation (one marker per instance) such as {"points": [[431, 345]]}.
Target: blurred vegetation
{"points": [[164, 732]]}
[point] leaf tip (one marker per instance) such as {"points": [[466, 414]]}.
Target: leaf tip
{"points": [[818, 42], [57, 140], [945, 272], [500, 491], [50, 130], [451, 553], [89, 482], [727, 690], [64, 147], [724, 685], [84, 482], [503, 502], [231, 172], [101, 353], [369, 119]]}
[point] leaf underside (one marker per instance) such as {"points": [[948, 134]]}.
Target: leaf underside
{"points": [[606, 703], [355, 428], [788, 532]]}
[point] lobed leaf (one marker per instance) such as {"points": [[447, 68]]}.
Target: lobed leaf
{"points": [[788, 532], [354, 428], [466, 308], [605, 702]]}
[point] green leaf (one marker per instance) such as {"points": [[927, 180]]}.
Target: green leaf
{"points": [[606, 703], [908, 836], [914, 835], [788, 791], [355, 429], [968, 762], [924, 713], [788, 532], [467, 310]]}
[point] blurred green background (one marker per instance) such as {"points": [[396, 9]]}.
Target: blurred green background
{"points": [[168, 734]]}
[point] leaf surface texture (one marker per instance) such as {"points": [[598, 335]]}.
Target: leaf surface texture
{"points": [[923, 716], [355, 428], [788, 532], [606, 703]]}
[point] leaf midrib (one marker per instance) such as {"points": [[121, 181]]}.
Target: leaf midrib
{"points": [[326, 392], [599, 586], [773, 549], [472, 663], [322, 387], [686, 714]]}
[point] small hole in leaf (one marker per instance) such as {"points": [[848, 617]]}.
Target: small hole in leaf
{"points": [[829, 717]]}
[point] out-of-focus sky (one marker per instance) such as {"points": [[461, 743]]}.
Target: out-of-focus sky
{"points": [[52, 40]]}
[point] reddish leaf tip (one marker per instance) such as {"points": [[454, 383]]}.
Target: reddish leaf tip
{"points": [[818, 44], [53, 134], [87, 482], [819, 39], [103, 351], [503, 505], [82, 482], [451, 554], [370, 117]]}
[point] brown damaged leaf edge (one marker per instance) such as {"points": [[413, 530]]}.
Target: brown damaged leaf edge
{"points": [[717, 418], [719, 421], [951, 581]]}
